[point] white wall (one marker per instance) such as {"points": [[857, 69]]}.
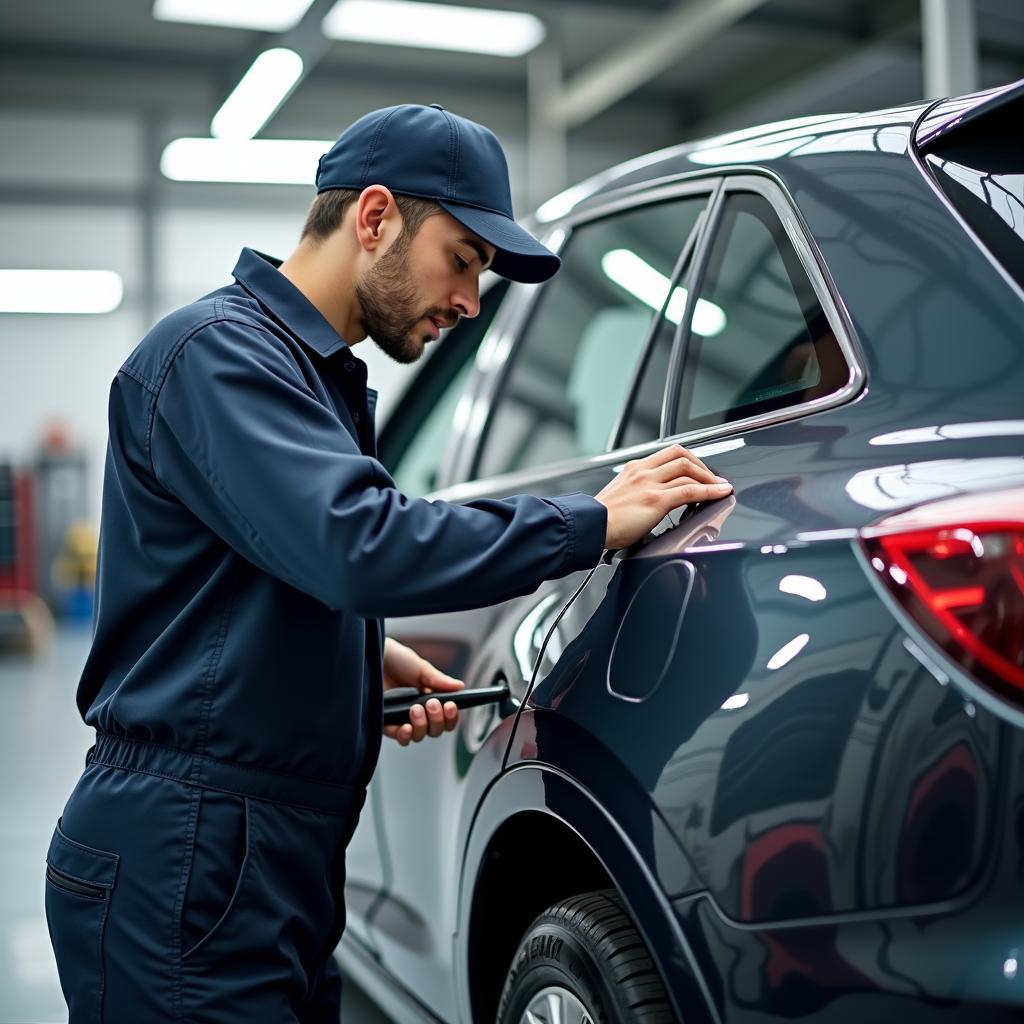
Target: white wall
{"points": [[57, 368], [73, 190]]}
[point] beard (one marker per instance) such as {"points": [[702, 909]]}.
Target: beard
{"points": [[387, 300]]}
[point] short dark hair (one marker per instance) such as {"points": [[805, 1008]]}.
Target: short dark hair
{"points": [[329, 208]]}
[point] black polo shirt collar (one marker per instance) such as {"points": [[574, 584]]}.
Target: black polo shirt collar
{"points": [[257, 273]]}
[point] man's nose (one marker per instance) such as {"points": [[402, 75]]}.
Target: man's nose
{"points": [[467, 302]]}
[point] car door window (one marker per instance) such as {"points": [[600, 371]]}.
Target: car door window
{"points": [[415, 441], [570, 372], [642, 421], [759, 339]]}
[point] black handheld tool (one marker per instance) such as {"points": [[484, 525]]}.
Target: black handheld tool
{"points": [[398, 702]]}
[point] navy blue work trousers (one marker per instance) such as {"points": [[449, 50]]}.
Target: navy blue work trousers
{"points": [[179, 888]]}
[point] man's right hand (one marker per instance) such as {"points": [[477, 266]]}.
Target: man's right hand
{"points": [[648, 489]]}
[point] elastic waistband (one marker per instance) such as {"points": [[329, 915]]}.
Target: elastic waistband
{"points": [[226, 776]]}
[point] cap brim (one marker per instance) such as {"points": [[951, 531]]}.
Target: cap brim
{"points": [[519, 256]]}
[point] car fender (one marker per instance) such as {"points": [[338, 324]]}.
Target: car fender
{"points": [[547, 789]]}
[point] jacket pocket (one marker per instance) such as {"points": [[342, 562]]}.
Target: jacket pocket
{"points": [[220, 859], [79, 884]]}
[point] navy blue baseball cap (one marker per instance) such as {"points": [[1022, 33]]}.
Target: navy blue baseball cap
{"points": [[429, 152]]}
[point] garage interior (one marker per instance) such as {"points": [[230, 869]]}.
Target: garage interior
{"points": [[93, 98]]}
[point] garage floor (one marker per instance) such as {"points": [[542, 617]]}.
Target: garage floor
{"points": [[40, 759]]}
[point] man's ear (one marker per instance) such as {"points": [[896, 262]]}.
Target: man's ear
{"points": [[377, 217]]}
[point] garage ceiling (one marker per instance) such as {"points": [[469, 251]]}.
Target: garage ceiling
{"points": [[115, 54]]}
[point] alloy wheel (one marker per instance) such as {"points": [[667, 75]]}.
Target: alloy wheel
{"points": [[556, 1005]]}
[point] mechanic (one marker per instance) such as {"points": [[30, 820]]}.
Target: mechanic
{"points": [[251, 545]]}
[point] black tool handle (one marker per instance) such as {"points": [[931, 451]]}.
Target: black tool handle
{"points": [[398, 702]]}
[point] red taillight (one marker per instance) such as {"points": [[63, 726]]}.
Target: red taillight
{"points": [[957, 568]]}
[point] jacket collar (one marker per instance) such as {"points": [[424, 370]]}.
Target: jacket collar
{"points": [[257, 273]]}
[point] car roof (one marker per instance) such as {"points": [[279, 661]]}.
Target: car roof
{"points": [[763, 145]]}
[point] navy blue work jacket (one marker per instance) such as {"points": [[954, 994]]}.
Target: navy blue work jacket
{"points": [[251, 543]]}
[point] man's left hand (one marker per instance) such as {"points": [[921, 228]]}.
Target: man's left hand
{"points": [[404, 667]]}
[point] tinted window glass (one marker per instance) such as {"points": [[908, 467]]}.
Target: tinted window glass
{"points": [[980, 168], [415, 440], [759, 339], [572, 368], [643, 420]]}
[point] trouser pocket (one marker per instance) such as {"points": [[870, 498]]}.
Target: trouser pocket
{"points": [[79, 884], [217, 874]]}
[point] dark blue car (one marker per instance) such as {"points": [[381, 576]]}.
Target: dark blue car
{"points": [[768, 764]]}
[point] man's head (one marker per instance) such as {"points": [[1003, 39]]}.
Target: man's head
{"points": [[413, 203], [414, 269]]}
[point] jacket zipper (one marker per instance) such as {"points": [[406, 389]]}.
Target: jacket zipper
{"points": [[62, 881]]}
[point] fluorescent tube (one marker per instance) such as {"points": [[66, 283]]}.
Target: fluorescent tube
{"points": [[60, 291], [257, 161], [785, 654], [434, 26], [263, 15], [261, 90], [650, 286]]}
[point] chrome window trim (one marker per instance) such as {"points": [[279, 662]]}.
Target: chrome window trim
{"points": [[498, 337], [681, 338], [774, 191], [640, 193], [496, 361], [622, 193], [492, 354]]}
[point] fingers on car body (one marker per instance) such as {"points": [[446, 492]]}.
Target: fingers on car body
{"points": [[682, 477], [649, 488]]}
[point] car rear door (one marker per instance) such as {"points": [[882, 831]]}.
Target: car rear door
{"points": [[659, 644], [554, 387]]}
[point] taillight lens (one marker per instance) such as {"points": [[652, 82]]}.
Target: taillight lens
{"points": [[957, 568]]}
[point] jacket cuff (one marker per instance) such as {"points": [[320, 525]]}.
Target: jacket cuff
{"points": [[586, 521]]}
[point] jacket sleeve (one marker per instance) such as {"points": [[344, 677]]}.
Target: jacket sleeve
{"points": [[239, 437]]}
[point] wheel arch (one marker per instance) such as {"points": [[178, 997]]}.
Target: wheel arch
{"points": [[538, 837]]}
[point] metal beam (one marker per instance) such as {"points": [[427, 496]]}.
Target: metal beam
{"points": [[672, 36], [306, 39], [949, 37], [148, 208], [546, 149], [830, 84]]}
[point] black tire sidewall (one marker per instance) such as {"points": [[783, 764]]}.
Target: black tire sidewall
{"points": [[550, 954]]}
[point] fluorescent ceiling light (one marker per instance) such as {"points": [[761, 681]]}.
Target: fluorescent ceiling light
{"points": [[640, 279], [803, 586], [434, 26], [260, 92], [60, 291], [736, 701], [264, 15], [788, 652], [256, 161]]}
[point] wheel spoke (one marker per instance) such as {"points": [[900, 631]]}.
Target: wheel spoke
{"points": [[577, 1014], [556, 1005]]}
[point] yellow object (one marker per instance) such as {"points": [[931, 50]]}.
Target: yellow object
{"points": [[75, 566]]}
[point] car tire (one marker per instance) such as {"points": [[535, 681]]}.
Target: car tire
{"points": [[583, 961]]}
